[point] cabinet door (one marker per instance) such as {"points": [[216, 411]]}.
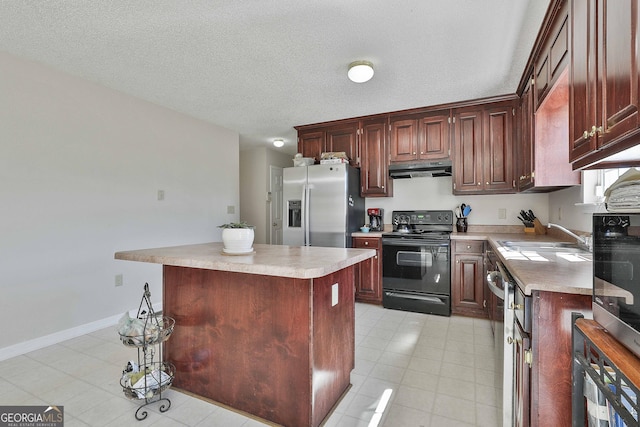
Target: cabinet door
{"points": [[311, 143], [617, 69], [369, 277], [468, 278], [467, 291], [522, 377], [467, 151], [404, 139], [374, 170], [582, 82], [344, 137], [498, 149], [553, 56], [434, 136], [525, 146]]}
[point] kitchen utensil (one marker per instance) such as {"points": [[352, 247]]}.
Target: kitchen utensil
{"points": [[531, 215], [458, 213], [466, 210]]}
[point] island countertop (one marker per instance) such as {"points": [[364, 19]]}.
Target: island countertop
{"points": [[301, 262]]}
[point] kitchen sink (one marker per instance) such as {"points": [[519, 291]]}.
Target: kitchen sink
{"points": [[543, 251], [525, 244]]}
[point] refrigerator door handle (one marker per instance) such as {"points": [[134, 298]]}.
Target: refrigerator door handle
{"points": [[305, 214]]}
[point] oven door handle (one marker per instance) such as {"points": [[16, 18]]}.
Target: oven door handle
{"points": [[416, 243]]}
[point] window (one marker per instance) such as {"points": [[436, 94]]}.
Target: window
{"points": [[595, 182]]}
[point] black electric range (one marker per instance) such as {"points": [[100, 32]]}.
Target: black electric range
{"points": [[416, 262]]}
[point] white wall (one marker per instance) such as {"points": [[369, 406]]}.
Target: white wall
{"points": [[80, 167], [565, 208], [436, 193], [254, 185]]}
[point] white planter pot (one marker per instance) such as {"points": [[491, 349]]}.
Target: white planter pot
{"points": [[237, 240]]}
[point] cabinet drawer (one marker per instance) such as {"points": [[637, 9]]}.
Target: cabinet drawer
{"points": [[469, 246], [367, 242], [522, 309]]}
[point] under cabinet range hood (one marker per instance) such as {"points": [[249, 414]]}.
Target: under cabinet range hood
{"points": [[420, 169]]}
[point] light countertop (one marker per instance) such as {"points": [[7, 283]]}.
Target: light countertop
{"points": [[300, 262], [543, 271]]}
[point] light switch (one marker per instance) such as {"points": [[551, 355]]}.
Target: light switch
{"points": [[334, 295]]}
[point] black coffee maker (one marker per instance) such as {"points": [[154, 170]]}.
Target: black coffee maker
{"points": [[376, 219]]}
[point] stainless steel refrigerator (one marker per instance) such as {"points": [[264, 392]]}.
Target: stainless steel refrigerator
{"points": [[322, 205]]}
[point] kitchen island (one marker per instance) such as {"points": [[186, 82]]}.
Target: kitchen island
{"points": [[269, 333]]}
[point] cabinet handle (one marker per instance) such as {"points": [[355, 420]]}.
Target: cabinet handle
{"points": [[457, 261], [514, 306], [593, 131], [487, 182], [509, 340], [422, 152], [585, 135], [414, 153], [484, 303], [528, 357], [479, 184], [366, 243], [468, 246]]}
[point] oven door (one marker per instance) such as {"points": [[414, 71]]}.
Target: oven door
{"points": [[417, 271]]}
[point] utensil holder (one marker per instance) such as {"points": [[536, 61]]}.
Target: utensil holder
{"points": [[461, 225]]}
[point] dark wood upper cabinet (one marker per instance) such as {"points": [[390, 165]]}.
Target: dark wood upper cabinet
{"points": [[604, 79], [525, 149], [542, 155], [467, 150], [483, 148], [553, 57], [498, 157], [374, 163], [423, 136], [344, 137], [311, 143]]}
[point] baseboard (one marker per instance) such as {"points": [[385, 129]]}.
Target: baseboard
{"points": [[67, 334]]}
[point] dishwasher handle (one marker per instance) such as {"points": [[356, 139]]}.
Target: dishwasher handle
{"points": [[491, 281]]}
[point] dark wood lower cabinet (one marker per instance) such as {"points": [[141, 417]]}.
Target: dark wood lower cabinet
{"points": [[368, 274], [467, 278], [548, 368]]}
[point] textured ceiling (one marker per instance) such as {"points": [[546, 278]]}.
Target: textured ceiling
{"points": [[260, 67]]}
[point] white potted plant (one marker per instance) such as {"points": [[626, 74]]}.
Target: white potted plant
{"points": [[237, 237]]}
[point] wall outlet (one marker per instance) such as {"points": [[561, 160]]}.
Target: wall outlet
{"points": [[502, 213], [231, 209], [160, 194], [334, 295], [119, 280]]}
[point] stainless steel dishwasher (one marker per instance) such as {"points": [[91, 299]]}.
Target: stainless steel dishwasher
{"points": [[501, 315]]}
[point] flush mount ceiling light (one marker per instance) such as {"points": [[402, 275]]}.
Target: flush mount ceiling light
{"points": [[278, 142], [360, 71]]}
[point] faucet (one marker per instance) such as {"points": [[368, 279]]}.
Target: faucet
{"points": [[583, 242]]}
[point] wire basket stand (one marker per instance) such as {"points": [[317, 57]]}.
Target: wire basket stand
{"points": [[150, 376]]}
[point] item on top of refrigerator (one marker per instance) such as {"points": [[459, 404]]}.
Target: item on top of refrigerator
{"points": [[333, 157], [298, 160]]}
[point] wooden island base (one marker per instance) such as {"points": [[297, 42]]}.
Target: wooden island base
{"points": [[274, 347]]}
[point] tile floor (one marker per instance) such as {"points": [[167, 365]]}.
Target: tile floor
{"points": [[440, 371]]}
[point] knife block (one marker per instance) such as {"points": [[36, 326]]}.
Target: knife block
{"points": [[538, 227]]}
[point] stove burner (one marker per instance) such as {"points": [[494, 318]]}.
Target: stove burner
{"points": [[403, 228]]}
